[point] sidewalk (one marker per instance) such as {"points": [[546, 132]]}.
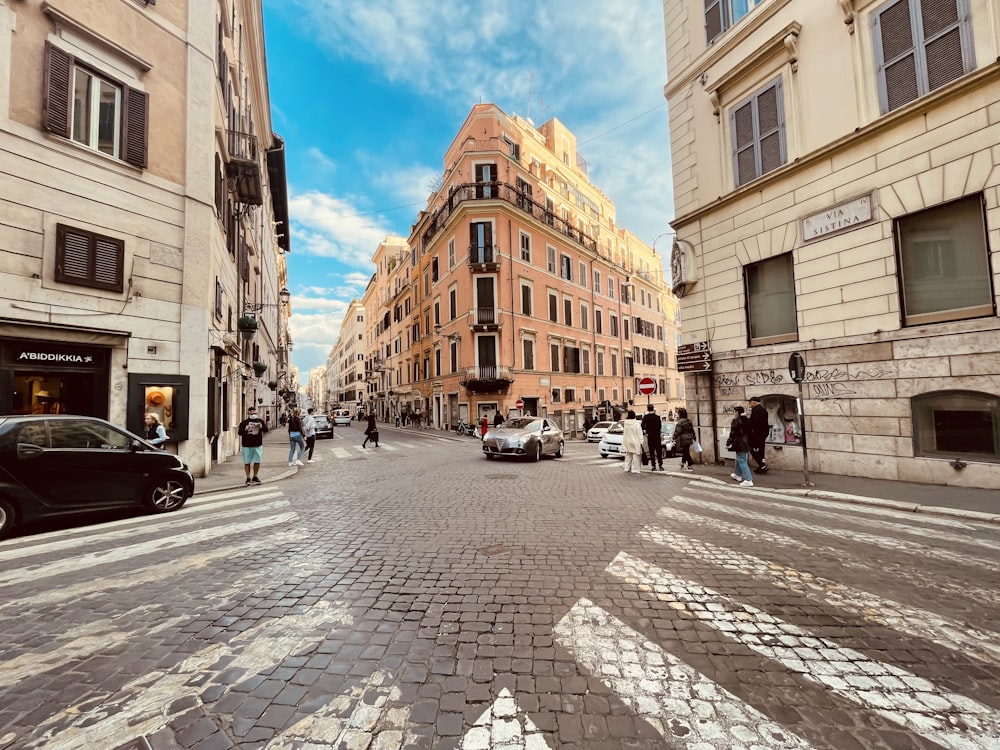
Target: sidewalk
{"points": [[960, 502]]}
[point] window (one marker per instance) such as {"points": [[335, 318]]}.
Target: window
{"points": [[434, 269], [554, 357], [920, 45], [613, 321], [957, 424], [568, 312], [771, 300], [584, 317], [526, 247], [566, 267], [526, 300], [600, 364], [451, 253], [944, 263], [758, 133], [598, 321], [556, 396], [218, 299], [611, 288], [614, 364], [570, 395], [550, 258], [437, 313], [89, 259], [597, 281], [486, 175], [585, 354], [722, 14], [452, 304], [481, 242], [94, 110], [553, 308], [528, 354], [571, 359]]}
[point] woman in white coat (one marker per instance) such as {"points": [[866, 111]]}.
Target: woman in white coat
{"points": [[632, 445]]}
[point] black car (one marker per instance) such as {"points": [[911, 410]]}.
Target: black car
{"points": [[324, 427], [60, 465]]}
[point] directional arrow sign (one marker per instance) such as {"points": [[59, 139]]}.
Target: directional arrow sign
{"points": [[705, 366], [694, 357]]}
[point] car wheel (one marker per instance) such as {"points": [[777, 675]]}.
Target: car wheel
{"points": [[165, 495], [538, 451], [489, 456], [604, 455], [6, 518], [561, 451]]}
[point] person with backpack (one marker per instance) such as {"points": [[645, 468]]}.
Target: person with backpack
{"points": [[738, 442], [685, 437], [251, 431]]}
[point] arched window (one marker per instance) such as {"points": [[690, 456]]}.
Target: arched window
{"points": [[957, 424]]}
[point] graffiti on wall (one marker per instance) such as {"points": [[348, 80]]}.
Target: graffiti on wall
{"points": [[823, 383]]}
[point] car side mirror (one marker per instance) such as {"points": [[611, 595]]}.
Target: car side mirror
{"points": [[136, 447]]}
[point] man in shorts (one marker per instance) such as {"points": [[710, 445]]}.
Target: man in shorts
{"points": [[251, 432]]}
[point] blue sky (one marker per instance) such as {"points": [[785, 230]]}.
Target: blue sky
{"points": [[368, 95]]}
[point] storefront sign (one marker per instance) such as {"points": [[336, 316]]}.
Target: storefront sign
{"points": [[838, 219], [31, 353]]}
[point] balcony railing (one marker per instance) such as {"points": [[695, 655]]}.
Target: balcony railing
{"points": [[487, 316], [484, 257], [486, 377], [479, 191], [243, 167]]}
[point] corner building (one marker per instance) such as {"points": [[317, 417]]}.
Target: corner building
{"points": [[516, 291], [836, 189]]}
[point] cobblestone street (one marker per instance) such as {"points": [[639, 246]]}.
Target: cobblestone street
{"points": [[416, 595]]}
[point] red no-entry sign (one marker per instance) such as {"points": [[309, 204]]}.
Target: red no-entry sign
{"points": [[647, 386], [519, 404]]}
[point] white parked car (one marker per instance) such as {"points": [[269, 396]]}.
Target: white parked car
{"points": [[595, 433], [342, 417], [611, 443]]}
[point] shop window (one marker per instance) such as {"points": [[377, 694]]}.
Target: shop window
{"points": [[944, 263], [920, 45], [771, 301], [89, 259], [166, 396], [782, 420], [957, 424]]}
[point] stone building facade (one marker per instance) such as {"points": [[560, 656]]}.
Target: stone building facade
{"points": [[143, 215], [837, 194]]}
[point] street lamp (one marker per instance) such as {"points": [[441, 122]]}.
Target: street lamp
{"points": [[284, 296], [456, 337]]}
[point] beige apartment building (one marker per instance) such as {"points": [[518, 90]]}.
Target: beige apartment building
{"points": [[143, 218], [345, 365], [516, 291], [837, 195]]}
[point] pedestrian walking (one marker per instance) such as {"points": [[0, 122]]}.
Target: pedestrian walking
{"points": [[371, 431], [155, 432], [632, 445], [738, 442], [652, 425], [251, 431], [760, 428], [497, 418], [396, 415], [484, 425], [684, 437], [295, 439], [309, 433]]}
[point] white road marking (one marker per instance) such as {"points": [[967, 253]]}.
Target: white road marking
{"points": [[341, 452], [77, 563], [139, 708], [891, 543], [763, 536], [683, 705], [947, 718], [499, 726], [919, 622], [179, 520]]}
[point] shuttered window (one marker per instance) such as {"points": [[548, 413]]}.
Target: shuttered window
{"points": [[93, 109], [758, 132], [721, 14], [920, 45], [88, 259]]}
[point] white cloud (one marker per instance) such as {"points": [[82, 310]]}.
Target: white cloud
{"points": [[412, 185], [332, 228]]}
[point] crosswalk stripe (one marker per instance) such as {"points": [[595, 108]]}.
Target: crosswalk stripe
{"points": [[178, 520], [683, 705], [894, 693], [156, 571], [78, 563], [141, 706], [758, 536], [919, 622], [893, 543]]}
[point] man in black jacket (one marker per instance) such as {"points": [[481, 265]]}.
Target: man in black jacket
{"points": [[652, 425], [759, 429]]}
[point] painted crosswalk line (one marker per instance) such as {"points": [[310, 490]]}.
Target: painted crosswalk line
{"points": [[504, 725], [758, 536], [913, 620], [142, 707], [949, 719], [685, 707]]}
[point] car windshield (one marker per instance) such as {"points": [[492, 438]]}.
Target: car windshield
{"points": [[601, 426], [321, 421], [669, 427], [616, 429], [523, 423]]}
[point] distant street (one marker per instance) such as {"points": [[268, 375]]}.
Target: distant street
{"points": [[416, 595]]}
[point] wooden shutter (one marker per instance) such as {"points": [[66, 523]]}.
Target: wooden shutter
{"points": [[89, 259], [942, 42], [897, 61], [769, 127], [135, 127], [713, 19], [58, 90], [746, 145]]}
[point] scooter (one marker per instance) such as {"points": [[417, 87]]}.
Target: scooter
{"points": [[464, 428]]}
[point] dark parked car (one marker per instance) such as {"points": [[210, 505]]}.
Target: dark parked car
{"points": [[324, 427], [60, 465]]}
